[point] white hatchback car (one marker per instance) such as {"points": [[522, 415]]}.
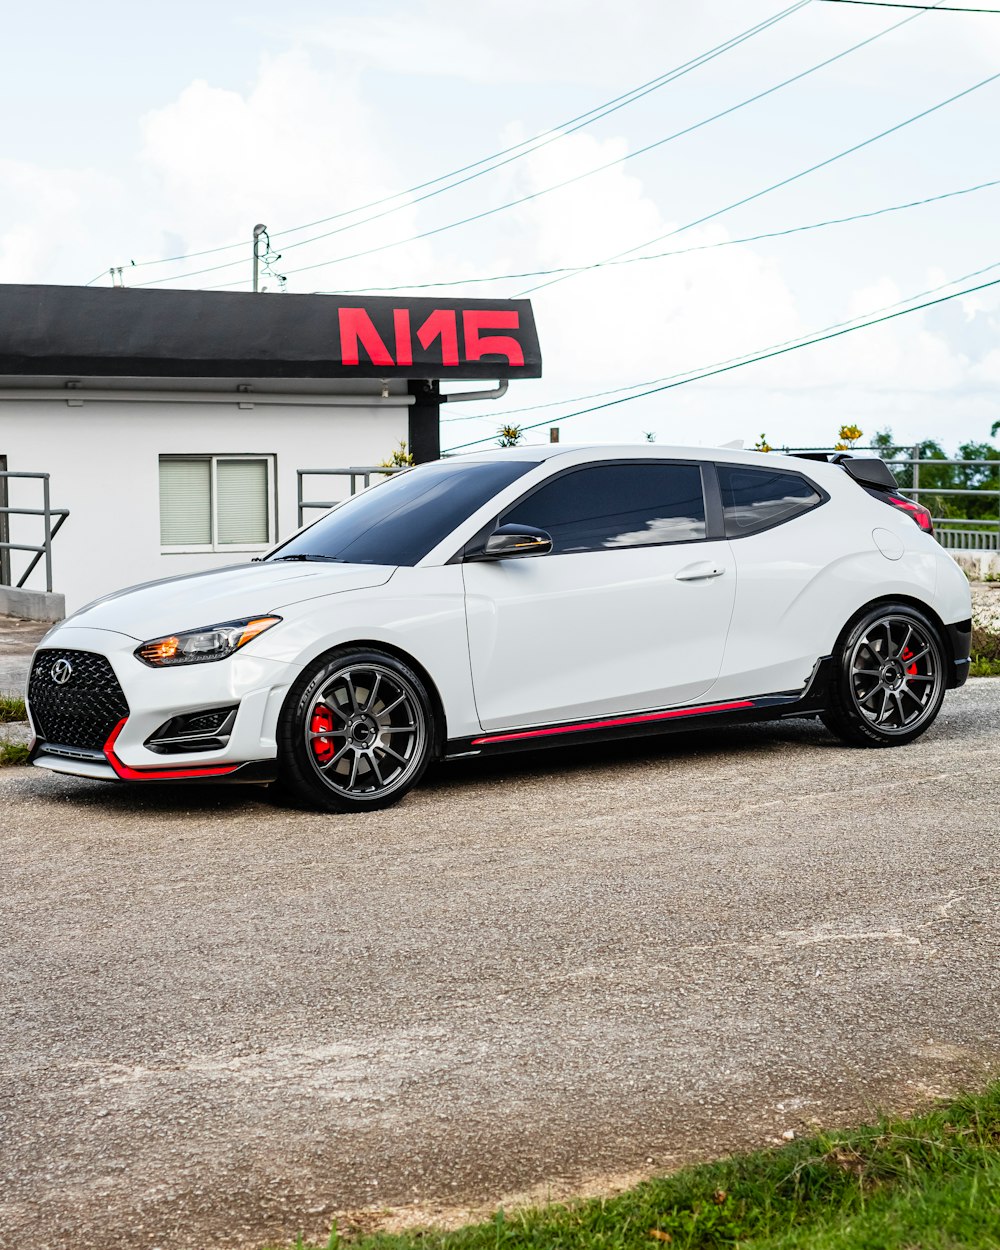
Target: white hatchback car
{"points": [[517, 599]]}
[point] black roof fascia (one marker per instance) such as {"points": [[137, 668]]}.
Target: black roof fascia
{"points": [[51, 331]]}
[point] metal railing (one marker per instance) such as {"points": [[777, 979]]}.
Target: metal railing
{"points": [[955, 533], [365, 472], [49, 531], [967, 540]]}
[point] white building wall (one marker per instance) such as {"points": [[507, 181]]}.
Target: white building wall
{"points": [[103, 458]]}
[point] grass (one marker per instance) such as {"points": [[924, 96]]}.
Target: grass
{"points": [[927, 1183], [11, 708], [12, 753], [985, 652]]}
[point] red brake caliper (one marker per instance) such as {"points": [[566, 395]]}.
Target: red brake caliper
{"points": [[908, 655], [322, 723]]}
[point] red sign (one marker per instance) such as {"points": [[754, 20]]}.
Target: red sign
{"points": [[358, 335]]}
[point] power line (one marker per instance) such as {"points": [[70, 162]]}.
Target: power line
{"points": [[886, 4], [680, 251], [784, 182], [617, 390], [739, 364], [489, 212], [514, 152], [555, 135]]}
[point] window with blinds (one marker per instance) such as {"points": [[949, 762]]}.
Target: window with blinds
{"points": [[242, 501], [216, 502]]}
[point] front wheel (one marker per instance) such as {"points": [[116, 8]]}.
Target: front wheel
{"points": [[355, 733], [889, 678]]}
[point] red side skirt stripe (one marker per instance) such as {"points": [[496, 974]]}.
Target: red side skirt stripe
{"points": [[611, 724], [158, 774]]}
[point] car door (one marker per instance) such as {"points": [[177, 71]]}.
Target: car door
{"points": [[629, 611], [783, 541]]}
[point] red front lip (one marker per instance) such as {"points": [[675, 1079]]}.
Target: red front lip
{"points": [[158, 774]]}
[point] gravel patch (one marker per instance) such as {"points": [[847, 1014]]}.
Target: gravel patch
{"points": [[225, 1022]]}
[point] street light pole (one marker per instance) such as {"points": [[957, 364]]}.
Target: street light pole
{"points": [[258, 230]]}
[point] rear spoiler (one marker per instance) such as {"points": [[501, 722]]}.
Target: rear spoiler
{"points": [[866, 470]]}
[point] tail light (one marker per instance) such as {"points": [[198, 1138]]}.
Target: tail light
{"points": [[915, 510]]}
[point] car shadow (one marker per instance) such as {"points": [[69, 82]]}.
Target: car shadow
{"points": [[739, 740], [754, 738]]}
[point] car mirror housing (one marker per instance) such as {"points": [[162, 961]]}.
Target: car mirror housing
{"points": [[513, 542]]}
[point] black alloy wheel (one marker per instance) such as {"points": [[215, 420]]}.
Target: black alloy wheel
{"points": [[355, 734], [889, 680]]}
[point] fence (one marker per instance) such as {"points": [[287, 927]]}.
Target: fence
{"points": [[955, 533], [49, 531], [365, 472]]}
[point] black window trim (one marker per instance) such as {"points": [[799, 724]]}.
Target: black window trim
{"points": [[824, 497], [709, 484]]}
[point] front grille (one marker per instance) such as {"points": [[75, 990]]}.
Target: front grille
{"points": [[81, 711]]}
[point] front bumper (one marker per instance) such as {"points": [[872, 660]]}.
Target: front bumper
{"points": [[254, 684]]}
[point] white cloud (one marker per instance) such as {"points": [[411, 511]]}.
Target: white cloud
{"points": [[46, 214], [299, 146], [315, 133]]}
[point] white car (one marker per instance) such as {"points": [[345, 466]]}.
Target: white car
{"points": [[530, 597]]}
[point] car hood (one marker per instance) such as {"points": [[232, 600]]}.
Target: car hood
{"points": [[230, 594]]}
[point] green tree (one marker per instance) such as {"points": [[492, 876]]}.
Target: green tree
{"points": [[983, 477], [933, 473]]}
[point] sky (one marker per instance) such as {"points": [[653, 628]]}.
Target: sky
{"points": [[139, 133]]}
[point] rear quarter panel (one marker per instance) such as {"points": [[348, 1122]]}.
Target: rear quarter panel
{"points": [[799, 583]]}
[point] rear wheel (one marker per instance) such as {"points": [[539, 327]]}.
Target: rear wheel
{"points": [[355, 733], [889, 678]]}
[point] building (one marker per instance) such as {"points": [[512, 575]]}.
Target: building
{"points": [[177, 431]]}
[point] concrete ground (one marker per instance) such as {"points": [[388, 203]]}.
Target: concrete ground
{"points": [[986, 604], [17, 641], [223, 1022]]}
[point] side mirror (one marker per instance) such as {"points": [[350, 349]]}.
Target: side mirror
{"points": [[513, 542]]}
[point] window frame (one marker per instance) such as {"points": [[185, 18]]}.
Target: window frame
{"points": [[213, 458], [712, 502], [730, 531]]}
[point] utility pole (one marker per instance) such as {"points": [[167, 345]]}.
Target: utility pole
{"points": [[258, 230]]}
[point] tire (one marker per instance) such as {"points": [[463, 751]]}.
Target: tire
{"points": [[889, 678], [355, 733]]}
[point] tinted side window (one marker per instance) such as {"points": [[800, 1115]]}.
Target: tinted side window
{"points": [[617, 505], [756, 499]]}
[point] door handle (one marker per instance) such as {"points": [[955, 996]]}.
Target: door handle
{"points": [[701, 571]]}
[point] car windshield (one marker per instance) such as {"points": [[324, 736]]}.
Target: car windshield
{"points": [[403, 518]]}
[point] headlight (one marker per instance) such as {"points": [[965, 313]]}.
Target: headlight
{"points": [[199, 646]]}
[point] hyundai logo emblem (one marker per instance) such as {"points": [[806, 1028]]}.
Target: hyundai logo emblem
{"points": [[61, 672]]}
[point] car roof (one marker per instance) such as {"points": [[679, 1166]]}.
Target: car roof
{"points": [[584, 452]]}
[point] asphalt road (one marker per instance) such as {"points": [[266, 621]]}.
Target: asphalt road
{"points": [[223, 1022]]}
